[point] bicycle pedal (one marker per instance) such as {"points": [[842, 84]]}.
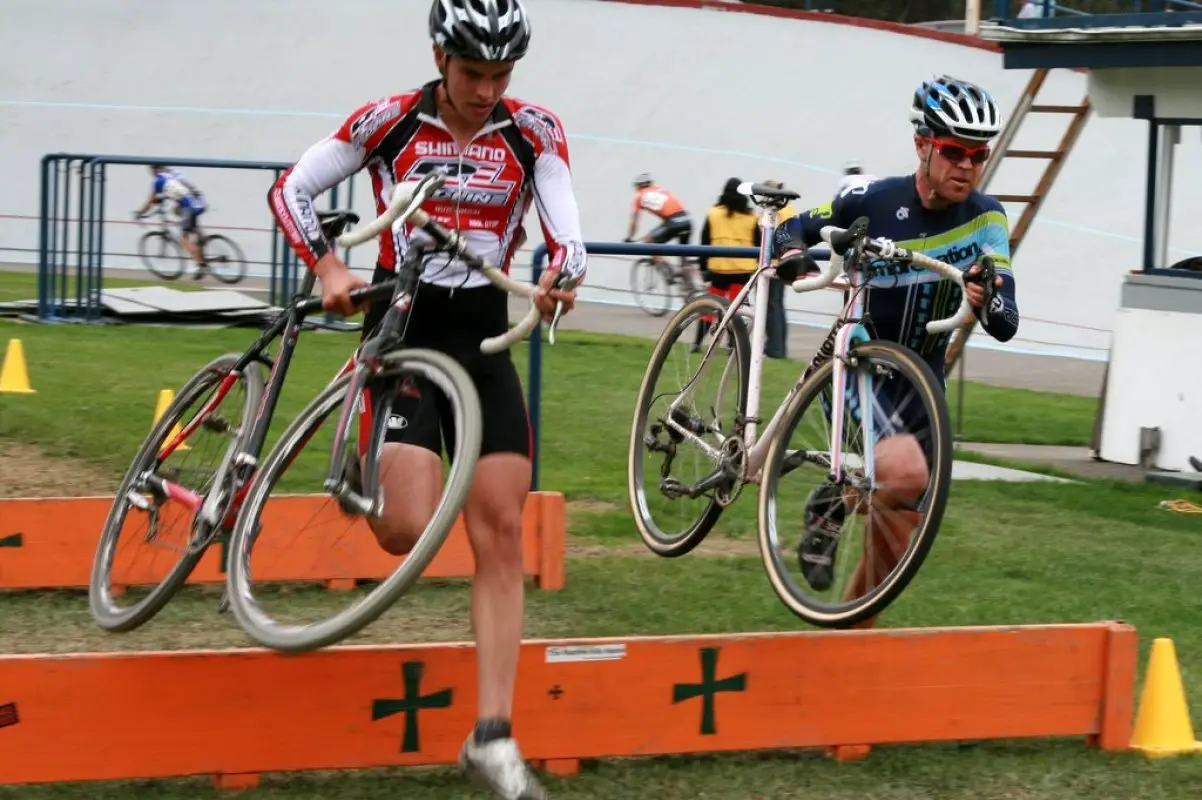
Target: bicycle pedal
{"points": [[223, 607]]}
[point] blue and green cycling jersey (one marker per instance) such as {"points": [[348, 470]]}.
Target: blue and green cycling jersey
{"points": [[902, 299]]}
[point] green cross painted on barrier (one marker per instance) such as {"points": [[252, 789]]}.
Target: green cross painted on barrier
{"points": [[708, 688], [15, 540], [411, 704]]}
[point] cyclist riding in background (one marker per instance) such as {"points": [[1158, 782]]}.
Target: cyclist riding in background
{"points": [[674, 220], [176, 193], [498, 154], [937, 211], [853, 175]]}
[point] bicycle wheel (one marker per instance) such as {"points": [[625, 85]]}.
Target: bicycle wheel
{"points": [[224, 258], [892, 370], [716, 425], [453, 381], [108, 570], [162, 255], [650, 287]]}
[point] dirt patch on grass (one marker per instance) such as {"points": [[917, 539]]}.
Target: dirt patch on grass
{"points": [[25, 471], [587, 506], [712, 546]]}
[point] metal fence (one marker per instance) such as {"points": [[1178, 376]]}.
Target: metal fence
{"points": [[71, 246]]}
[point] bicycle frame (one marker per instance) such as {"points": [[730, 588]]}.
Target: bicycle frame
{"points": [[365, 361], [849, 328]]}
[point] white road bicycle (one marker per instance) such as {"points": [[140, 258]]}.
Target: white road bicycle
{"points": [[852, 372]]}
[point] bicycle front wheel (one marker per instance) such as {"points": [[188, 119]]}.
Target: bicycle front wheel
{"points": [[838, 552], [650, 287], [162, 255], [435, 370]]}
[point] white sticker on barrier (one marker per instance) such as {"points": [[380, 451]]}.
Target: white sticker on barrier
{"points": [[595, 652]]}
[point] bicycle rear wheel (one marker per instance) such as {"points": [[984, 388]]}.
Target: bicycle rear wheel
{"points": [[142, 490], [654, 506], [902, 392], [436, 370], [224, 258]]}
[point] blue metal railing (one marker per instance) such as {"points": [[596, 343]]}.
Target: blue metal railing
{"points": [[534, 378], [61, 263]]}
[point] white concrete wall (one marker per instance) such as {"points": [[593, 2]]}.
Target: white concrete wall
{"points": [[692, 96]]}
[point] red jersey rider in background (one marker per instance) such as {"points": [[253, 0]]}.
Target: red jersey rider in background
{"points": [[674, 220], [499, 154]]}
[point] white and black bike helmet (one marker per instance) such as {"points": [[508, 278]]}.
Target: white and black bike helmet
{"points": [[482, 30], [949, 106]]}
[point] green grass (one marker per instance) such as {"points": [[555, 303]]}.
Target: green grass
{"points": [[1006, 554], [24, 285]]}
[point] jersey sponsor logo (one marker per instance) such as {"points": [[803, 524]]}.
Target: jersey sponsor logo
{"points": [[468, 182], [478, 152], [540, 122], [307, 216], [954, 255], [372, 120]]}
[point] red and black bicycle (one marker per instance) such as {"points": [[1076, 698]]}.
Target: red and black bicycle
{"points": [[173, 507]]}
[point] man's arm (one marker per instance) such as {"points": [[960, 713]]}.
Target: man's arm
{"points": [[804, 230], [322, 166], [634, 219], [554, 196], [1001, 319]]}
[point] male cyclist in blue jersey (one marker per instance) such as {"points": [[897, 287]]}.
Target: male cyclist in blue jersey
{"points": [[938, 211], [171, 187]]}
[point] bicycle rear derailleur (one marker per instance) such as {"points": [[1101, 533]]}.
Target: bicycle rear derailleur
{"points": [[726, 481]]}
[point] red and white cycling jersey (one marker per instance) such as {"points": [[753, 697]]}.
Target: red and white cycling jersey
{"points": [[486, 195]]}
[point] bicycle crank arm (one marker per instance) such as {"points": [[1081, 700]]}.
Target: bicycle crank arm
{"points": [[674, 489], [352, 502]]}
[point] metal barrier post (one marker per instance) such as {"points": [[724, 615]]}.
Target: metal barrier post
{"points": [[535, 373], [44, 234]]}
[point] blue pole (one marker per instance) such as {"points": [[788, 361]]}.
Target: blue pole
{"points": [[44, 237], [535, 378]]}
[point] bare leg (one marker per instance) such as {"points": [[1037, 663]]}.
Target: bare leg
{"points": [[494, 524], [411, 477], [901, 477]]}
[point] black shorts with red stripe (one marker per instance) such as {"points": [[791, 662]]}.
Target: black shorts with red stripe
{"points": [[455, 321]]}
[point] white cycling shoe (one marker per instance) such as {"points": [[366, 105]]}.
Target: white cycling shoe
{"points": [[499, 765]]}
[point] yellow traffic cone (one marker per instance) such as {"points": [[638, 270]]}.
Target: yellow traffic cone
{"points": [[1162, 726], [14, 376], [166, 396]]}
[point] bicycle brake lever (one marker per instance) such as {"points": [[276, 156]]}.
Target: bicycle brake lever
{"points": [[565, 283], [986, 277]]}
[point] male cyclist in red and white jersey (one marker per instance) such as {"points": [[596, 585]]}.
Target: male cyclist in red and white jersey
{"points": [[498, 154]]}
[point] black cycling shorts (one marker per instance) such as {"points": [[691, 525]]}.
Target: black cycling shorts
{"points": [[455, 323], [679, 226]]}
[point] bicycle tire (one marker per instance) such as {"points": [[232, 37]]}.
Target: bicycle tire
{"points": [[455, 382], [181, 256], [647, 266], [656, 541], [100, 599], [882, 596], [239, 272]]}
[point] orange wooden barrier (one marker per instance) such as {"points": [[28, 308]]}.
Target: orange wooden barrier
{"points": [[50, 543], [236, 713]]}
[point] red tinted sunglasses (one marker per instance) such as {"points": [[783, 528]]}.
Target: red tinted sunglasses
{"points": [[956, 153]]}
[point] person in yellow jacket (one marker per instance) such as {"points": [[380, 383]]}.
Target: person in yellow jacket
{"points": [[729, 223]]}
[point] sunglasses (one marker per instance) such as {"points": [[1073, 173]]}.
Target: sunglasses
{"points": [[956, 153]]}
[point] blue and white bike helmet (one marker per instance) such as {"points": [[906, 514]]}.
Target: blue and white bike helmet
{"points": [[947, 106]]}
